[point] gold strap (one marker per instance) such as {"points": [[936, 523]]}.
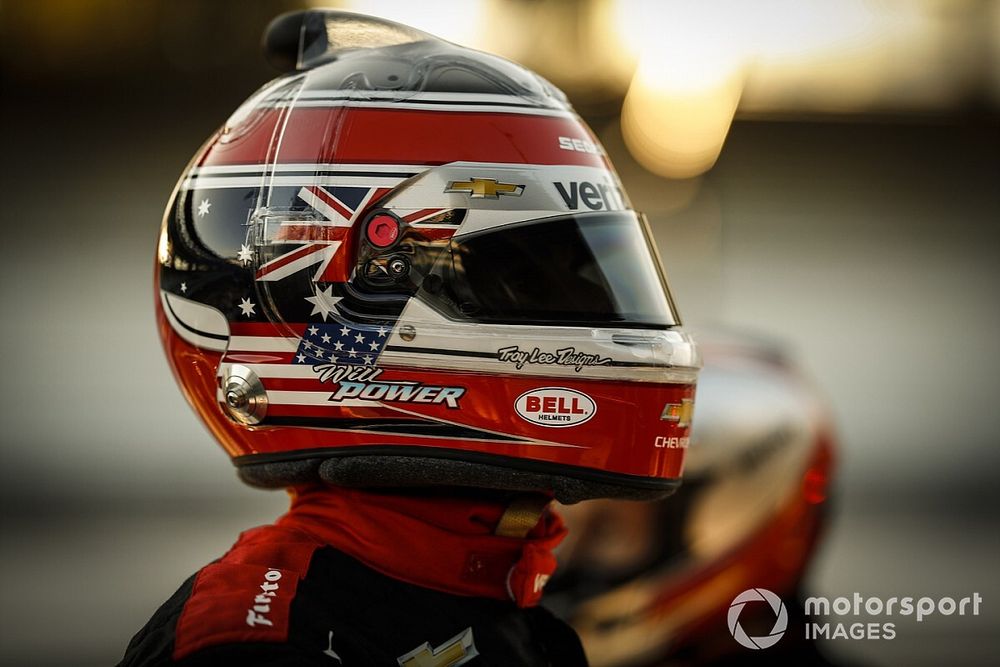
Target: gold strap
{"points": [[522, 515]]}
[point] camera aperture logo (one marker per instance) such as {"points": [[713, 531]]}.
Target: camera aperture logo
{"points": [[780, 618]]}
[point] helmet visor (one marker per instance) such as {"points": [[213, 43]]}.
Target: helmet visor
{"points": [[593, 269]]}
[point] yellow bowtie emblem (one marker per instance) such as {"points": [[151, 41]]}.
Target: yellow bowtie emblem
{"points": [[485, 188], [456, 651], [679, 413]]}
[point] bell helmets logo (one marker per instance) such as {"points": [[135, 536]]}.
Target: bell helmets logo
{"points": [[555, 407], [780, 618]]}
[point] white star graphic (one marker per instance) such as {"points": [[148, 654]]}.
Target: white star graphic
{"points": [[373, 346], [359, 338], [344, 331], [184, 288], [324, 302], [301, 358], [382, 331], [247, 307], [203, 208], [338, 346], [368, 359], [313, 331], [325, 338], [352, 352], [245, 254], [318, 352]]}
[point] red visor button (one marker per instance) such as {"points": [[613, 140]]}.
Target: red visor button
{"points": [[382, 231]]}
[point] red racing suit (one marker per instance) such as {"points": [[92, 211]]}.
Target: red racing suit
{"points": [[359, 578]]}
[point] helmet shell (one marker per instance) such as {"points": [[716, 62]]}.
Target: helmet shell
{"points": [[410, 263]]}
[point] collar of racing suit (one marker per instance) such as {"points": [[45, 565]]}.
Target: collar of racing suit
{"points": [[455, 541]]}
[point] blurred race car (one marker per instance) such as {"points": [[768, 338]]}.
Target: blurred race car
{"points": [[652, 583]]}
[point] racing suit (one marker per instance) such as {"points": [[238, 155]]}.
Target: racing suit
{"points": [[359, 578]]}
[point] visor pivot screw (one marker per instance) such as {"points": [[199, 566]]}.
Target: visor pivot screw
{"points": [[235, 398], [245, 397], [407, 332], [398, 267]]}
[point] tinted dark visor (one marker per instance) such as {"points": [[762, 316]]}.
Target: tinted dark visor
{"points": [[593, 269]]}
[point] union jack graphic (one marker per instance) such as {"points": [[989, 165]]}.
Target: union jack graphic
{"points": [[317, 241], [303, 243]]}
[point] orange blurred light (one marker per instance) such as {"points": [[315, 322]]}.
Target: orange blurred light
{"points": [[677, 134], [688, 82], [698, 60]]}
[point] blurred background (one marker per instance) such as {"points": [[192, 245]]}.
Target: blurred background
{"points": [[822, 172]]}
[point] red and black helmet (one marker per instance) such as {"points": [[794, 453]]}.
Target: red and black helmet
{"points": [[405, 262]]}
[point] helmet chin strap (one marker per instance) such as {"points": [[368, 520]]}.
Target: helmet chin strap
{"points": [[521, 515]]}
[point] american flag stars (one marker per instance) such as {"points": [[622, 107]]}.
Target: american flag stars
{"points": [[341, 343]]}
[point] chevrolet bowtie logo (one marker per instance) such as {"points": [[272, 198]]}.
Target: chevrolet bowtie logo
{"points": [[458, 650], [484, 188], [679, 413]]}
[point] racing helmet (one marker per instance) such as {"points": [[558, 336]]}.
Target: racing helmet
{"points": [[652, 583], [404, 262]]}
